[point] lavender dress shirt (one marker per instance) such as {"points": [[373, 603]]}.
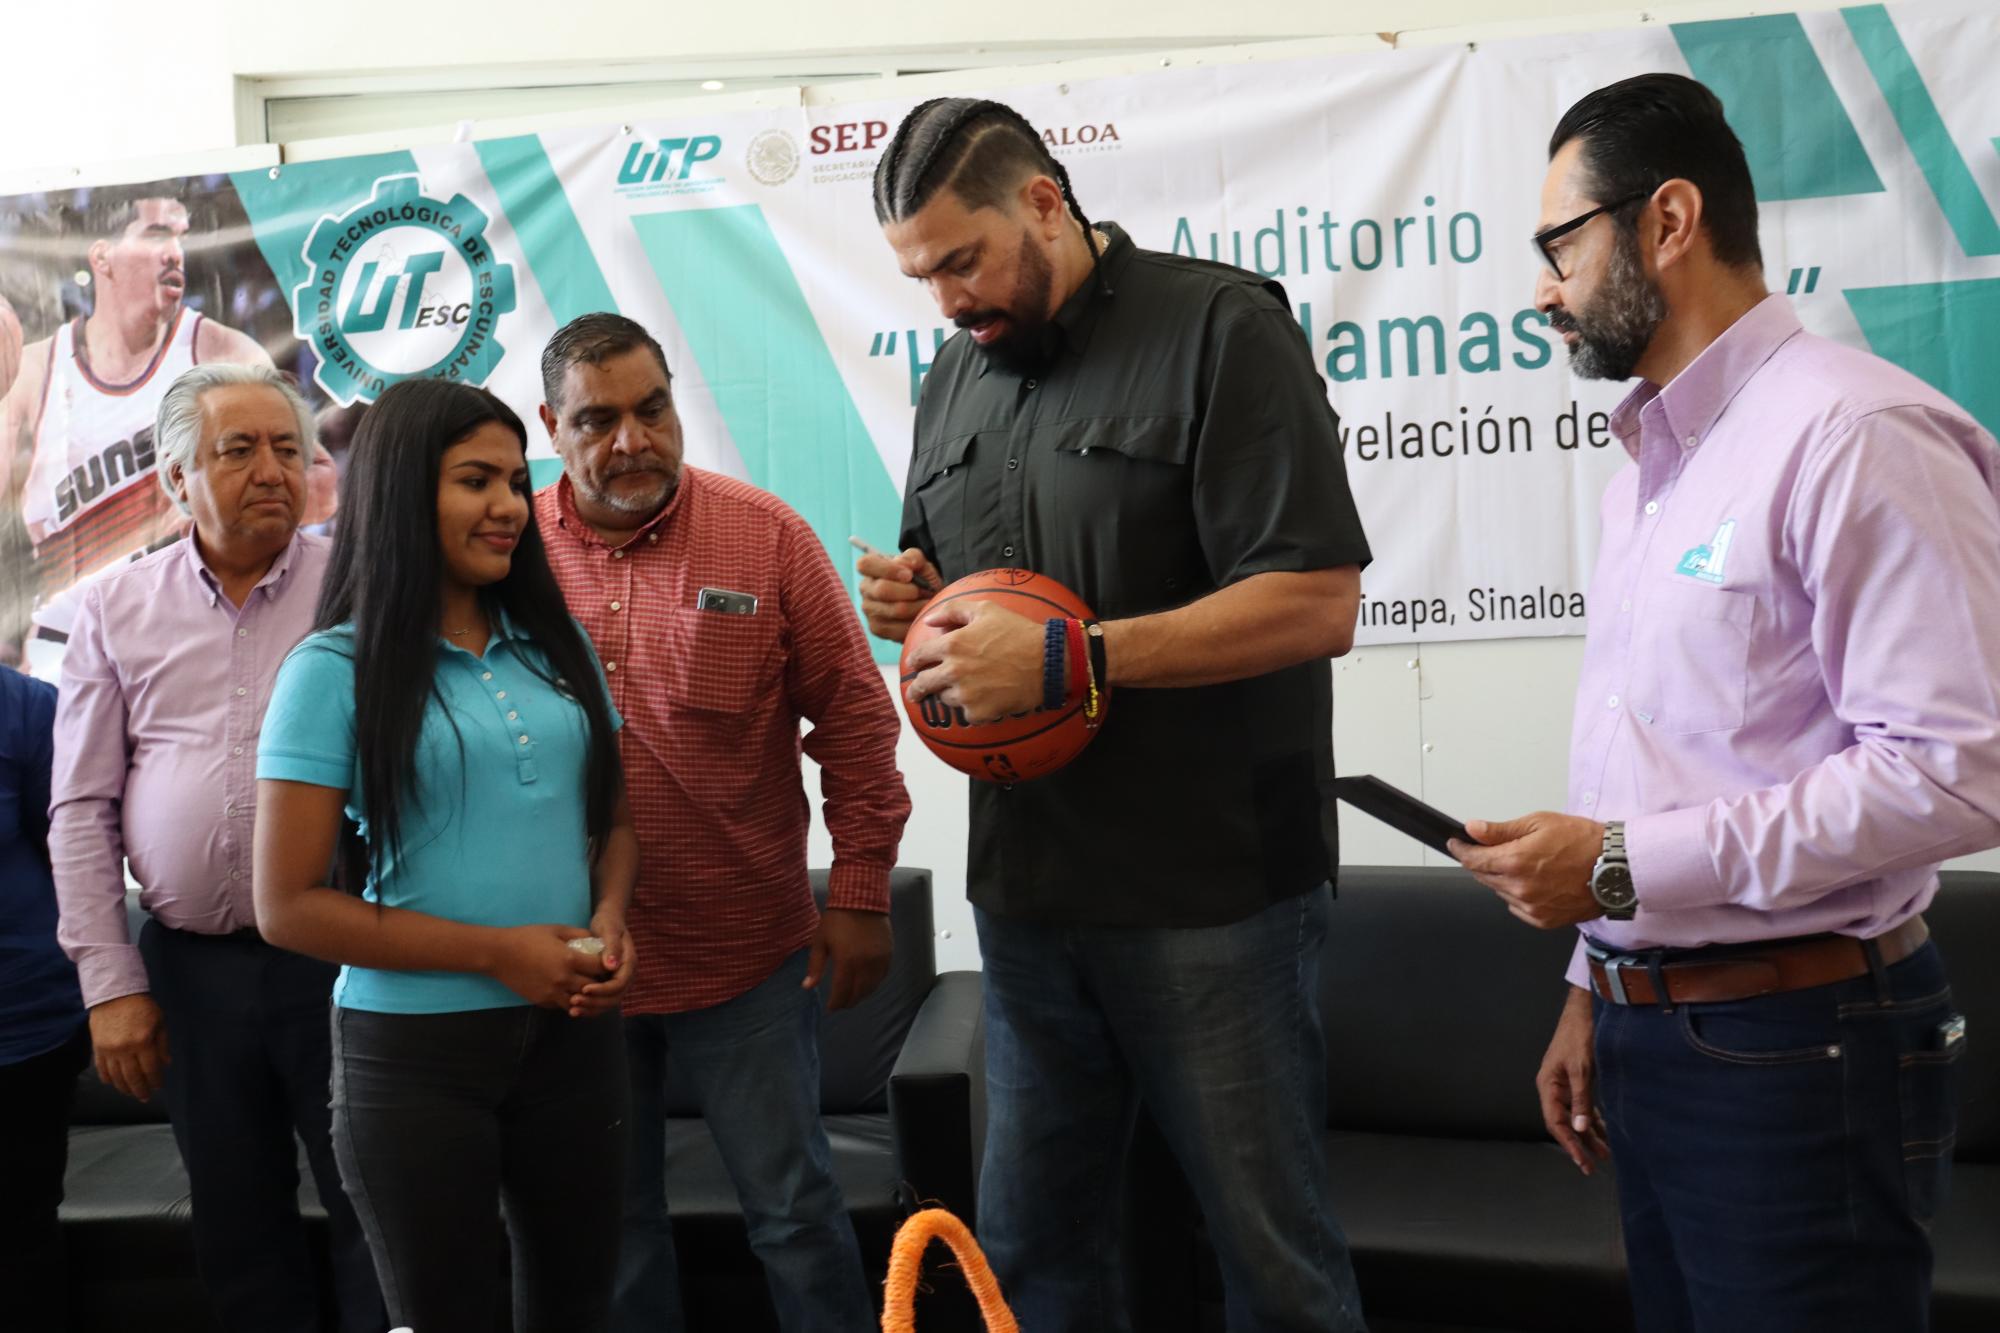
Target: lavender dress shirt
{"points": [[163, 694], [1791, 682]]}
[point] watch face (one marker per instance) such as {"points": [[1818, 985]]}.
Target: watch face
{"points": [[1612, 887]]}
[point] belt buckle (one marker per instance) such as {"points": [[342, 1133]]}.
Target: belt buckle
{"points": [[1611, 963]]}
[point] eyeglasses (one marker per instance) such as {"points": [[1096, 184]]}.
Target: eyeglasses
{"points": [[1542, 238]]}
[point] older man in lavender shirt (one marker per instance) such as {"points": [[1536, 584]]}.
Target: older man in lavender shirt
{"points": [[170, 663], [1787, 718]]}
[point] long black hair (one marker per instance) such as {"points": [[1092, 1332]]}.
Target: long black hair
{"points": [[384, 576]]}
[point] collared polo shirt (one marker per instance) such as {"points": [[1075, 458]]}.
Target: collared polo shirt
{"points": [[1174, 439], [496, 829]]}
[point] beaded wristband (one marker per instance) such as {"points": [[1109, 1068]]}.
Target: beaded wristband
{"points": [[1079, 660], [1092, 702], [1053, 636]]}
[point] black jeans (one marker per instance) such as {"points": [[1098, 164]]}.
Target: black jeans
{"points": [[248, 1069], [1780, 1158], [35, 1096], [442, 1120]]}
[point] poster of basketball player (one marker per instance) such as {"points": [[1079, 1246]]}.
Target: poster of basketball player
{"points": [[112, 292]]}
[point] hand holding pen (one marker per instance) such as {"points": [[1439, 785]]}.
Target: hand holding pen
{"points": [[894, 588]]}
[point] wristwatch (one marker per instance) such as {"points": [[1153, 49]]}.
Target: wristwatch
{"points": [[1611, 878]]}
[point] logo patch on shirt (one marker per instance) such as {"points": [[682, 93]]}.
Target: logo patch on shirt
{"points": [[1705, 562]]}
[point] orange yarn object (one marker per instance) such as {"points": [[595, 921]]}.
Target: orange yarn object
{"points": [[906, 1261]]}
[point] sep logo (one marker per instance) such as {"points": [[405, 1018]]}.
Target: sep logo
{"points": [[402, 286], [667, 166], [852, 136]]}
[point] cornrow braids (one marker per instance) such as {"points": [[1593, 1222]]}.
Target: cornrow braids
{"points": [[946, 133]]}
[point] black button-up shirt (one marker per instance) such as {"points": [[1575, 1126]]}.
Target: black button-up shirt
{"points": [[1175, 440]]}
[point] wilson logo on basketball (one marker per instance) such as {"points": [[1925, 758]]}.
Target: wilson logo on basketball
{"points": [[1027, 745]]}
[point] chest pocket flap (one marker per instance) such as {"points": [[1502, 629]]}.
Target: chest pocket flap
{"points": [[1142, 439], [934, 460]]}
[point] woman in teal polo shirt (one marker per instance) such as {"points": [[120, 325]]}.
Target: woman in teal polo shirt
{"points": [[454, 713]]}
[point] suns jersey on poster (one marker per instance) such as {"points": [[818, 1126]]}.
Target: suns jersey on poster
{"points": [[93, 495]]}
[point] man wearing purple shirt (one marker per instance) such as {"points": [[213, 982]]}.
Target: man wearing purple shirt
{"points": [[1788, 715], [169, 666]]}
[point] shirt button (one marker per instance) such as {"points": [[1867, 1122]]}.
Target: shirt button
{"points": [[513, 716], [486, 675], [1691, 441], [652, 536], [1590, 798], [242, 633], [237, 750], [1612, 702], [1013, 463], [524, 740], [240, 691], [236, 874], [1007, 551], [610, 666], [1625, 605], [229, 807], [1032, 383], [617, 555], [1652, 506], [614, 606], [500, 694]]}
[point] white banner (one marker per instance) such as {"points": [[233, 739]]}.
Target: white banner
{"points": [[1392, 193]]}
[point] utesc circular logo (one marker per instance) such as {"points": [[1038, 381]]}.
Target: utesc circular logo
{"points": [[403, 286]]}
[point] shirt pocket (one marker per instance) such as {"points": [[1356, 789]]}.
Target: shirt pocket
{"points": [[940, 480], [1124, 488], [1155, 441], [1696, 677], [720, 663]]}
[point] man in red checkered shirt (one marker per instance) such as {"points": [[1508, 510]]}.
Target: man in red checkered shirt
{"points": [[722, 625]]}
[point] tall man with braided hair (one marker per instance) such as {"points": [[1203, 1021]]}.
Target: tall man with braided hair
{"points": [[1148, 430]]}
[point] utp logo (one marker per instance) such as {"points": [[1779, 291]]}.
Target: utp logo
{"points": [[651, 164], [667, 166]]}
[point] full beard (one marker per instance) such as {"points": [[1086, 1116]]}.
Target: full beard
{"points": [[1025, 344], [1618, 327]]}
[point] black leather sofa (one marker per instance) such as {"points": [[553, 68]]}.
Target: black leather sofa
{"points": [[899, 1094], [1463, 1217]]}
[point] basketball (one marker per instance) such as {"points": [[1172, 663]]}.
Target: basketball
{"points": [[1027, 745]]}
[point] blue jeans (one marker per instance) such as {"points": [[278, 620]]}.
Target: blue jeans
{"points": [[1217, 1030], [1780, 1159], [754, 1064]]}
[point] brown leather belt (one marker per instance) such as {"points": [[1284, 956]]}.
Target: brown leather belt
{"points": [[1747, 972]]}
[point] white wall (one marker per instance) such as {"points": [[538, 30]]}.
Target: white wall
{"points": [[122, 79], [1479, 729]]}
